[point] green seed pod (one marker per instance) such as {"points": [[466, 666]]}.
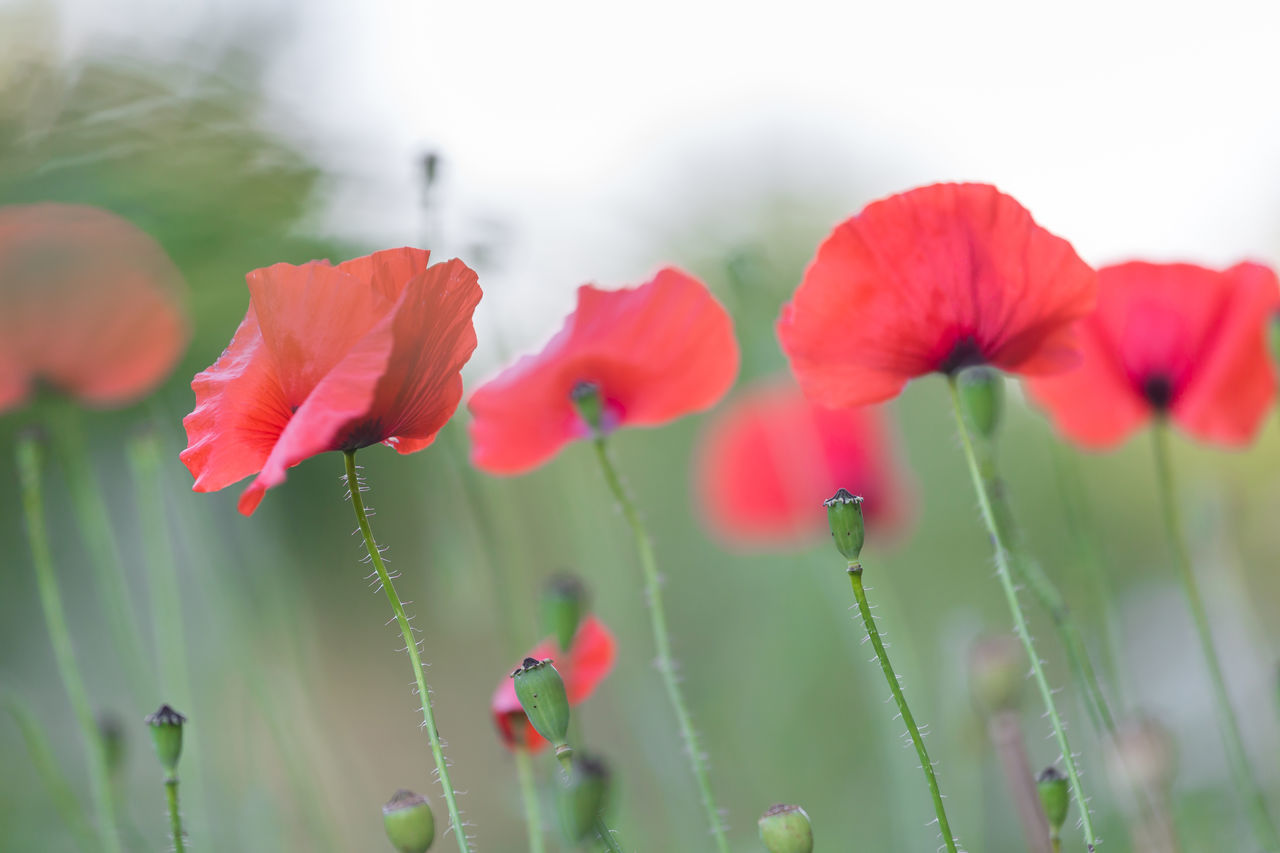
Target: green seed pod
{"points": [[588, 401], [166, 733], [997, 671], [844, 515], [786, 829], [563, 600], [541, 693], [583, 797], [411, 827], [982, 398], [1055, 797]]}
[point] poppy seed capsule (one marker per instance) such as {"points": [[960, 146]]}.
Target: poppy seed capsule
{"points": [[166, 734], [542, 696], [562, 604], [590, 405], [1055, 797], [844, 515], [410, 825], [982, 398], [583, 797], [786, 829]]}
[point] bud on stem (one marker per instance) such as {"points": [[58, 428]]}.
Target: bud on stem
{"points": [[583, 796], [1055, 797], [542, 695], [786, 829], [563, 601], [590, 405], [166, 734], [844, 515], [410, 825], [982, 398]]}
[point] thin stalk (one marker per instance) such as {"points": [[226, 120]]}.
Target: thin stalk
{"points": [[980, 486], [175, 814], [529, 797], [1005, 731], [29, 471], [661, 638], [855, 578], [59, 789], [411, 646], [1255, 805]]}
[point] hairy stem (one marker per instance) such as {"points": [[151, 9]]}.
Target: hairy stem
{"points": [[411, 646], [665, 662], [1019, 618], [1255, 805], [175, 814], [944, 826]]}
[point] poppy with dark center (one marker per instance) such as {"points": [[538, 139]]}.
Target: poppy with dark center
{"points": [[771, 455], [583, 666], [1173, 340], [89, 304], [647, 355], [333, 358], [935, 279]]}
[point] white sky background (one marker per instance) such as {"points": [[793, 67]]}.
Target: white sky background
{"points": [[1132, 129]]}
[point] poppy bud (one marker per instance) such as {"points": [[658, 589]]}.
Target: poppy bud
{"points": [[1055, 797], [996, 673], [541, 693], [844, 515], [982, 398], [583, 796], [411, 827], [590, 405], [166, 734], [562, 605], [786, 829]]}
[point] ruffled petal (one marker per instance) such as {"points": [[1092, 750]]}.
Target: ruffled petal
{"points": [[388, 271]]}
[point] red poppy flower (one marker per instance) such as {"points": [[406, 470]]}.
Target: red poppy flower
{"points": [[332, 358], [1173, 338], [88, 303], [771, 457], [586, 663], [655, 352], [935, 279]]}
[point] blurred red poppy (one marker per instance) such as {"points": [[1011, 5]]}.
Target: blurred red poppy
{"points": [[654, 352], [88, 303], [589, 659], [1172, 338], [771, 457], [332, 358], [935, 279]]}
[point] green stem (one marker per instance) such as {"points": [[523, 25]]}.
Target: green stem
{"points": [[529, 797], [1019, 618], [59, 789], [175, 815], [411, 646], [29, 471], [605, 834], [855, 578], [1255, 804], [665, 662]]}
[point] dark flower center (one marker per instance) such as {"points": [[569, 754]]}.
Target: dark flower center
{"points": [[1158, 391], [964, 353], [362, 434]]}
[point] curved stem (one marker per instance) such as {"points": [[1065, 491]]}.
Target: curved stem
{"points": [[411, 646], [855, 578], [1233, 742], [175, 815], [29, 470], [665, 662], [1020, 619], [529, 797], [59, 790]]}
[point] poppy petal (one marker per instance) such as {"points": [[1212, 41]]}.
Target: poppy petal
{"points": [[591, 657], [388, 271]]}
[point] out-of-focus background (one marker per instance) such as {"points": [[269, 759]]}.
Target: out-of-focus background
{"points": [[548, 145]]}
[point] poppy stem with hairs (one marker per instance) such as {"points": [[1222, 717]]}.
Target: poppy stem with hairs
{"points": [[1255, 804], [29, 473], [411, 646], [665, 662], [529, 798], [980, 486]]}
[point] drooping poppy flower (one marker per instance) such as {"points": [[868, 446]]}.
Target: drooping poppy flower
{"points": [[770, 458], [653, 352], [1169, 338], [89, 303], [332, 358], [589, 659], [933, 280]]}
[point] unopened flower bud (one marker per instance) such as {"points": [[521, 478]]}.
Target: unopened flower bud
{"points": [[588, 401], [997, 667], [562, 605], [583, 796], [541, 693], [411, 827], [166, 734], [1055, 797], [982, 398], [786, 829], [844, 515]]}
